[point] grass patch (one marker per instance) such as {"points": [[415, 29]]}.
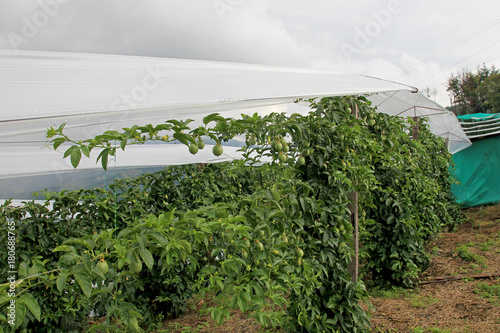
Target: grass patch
{"points": [[463, 251], [393, 292], [486, 246], [429, 330], [489, 292], [423, 301]]}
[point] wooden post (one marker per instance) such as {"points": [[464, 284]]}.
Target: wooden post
{"points": [[414, 134], [353, 267]]}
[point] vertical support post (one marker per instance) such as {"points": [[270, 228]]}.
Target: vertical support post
{"points": [[353, 267], [201, 166], [414, 134]]}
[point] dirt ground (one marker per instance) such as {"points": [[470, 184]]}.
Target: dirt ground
{"points": [[453, 306], [455, 295]]}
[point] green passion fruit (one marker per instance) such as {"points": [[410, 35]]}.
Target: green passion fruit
{"points": [[217, 150], [193, 149], [282, 157], [228, 237], [103, 266], [278, 146], [136, 265]]}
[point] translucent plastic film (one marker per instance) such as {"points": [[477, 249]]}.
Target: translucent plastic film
{"points": [[94, 93], [441, 122]]}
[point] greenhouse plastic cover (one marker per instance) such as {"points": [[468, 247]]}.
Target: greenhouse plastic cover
{"points": [[94, 93]]}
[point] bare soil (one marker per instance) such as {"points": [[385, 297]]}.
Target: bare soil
{"points": [[459, 305]]}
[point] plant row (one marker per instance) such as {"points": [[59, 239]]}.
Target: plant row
{"points": [[274, 239]]}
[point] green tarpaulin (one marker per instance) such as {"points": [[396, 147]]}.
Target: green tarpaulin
{"points": [[478, 171]]}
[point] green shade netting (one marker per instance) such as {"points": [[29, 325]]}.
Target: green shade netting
{"points": [[478, 171]]}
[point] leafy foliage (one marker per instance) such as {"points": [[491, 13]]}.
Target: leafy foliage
{"points": [[278, 233]]}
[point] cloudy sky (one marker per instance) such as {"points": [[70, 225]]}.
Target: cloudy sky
{"points": [[418, 43]]}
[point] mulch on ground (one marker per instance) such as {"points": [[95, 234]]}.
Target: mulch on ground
{"points": [[454, 306]]}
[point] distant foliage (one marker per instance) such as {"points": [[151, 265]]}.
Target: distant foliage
{"points": [[475, 92]]}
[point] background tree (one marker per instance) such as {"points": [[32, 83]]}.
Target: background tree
{"points": [[466, 96], [489, 94], [429, 92]]}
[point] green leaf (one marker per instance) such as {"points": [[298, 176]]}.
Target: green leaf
{"points": [[212, 117], [147, 257], [32, 305], [61, 280], [77, 241], [133, 322], [184, 138], [159, 237], [123, 143], [103, 156], [84, 281], [68, 259], [64, 248], [20, 314], [141, 240], [57, 142], [242, 303], [5, 298], [69, 151], [85, 150], [100, 291], [175, 122]]}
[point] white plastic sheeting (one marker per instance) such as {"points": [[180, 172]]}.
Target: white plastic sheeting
{"points": [[94, 93], [441, 122], [48, 161]]}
